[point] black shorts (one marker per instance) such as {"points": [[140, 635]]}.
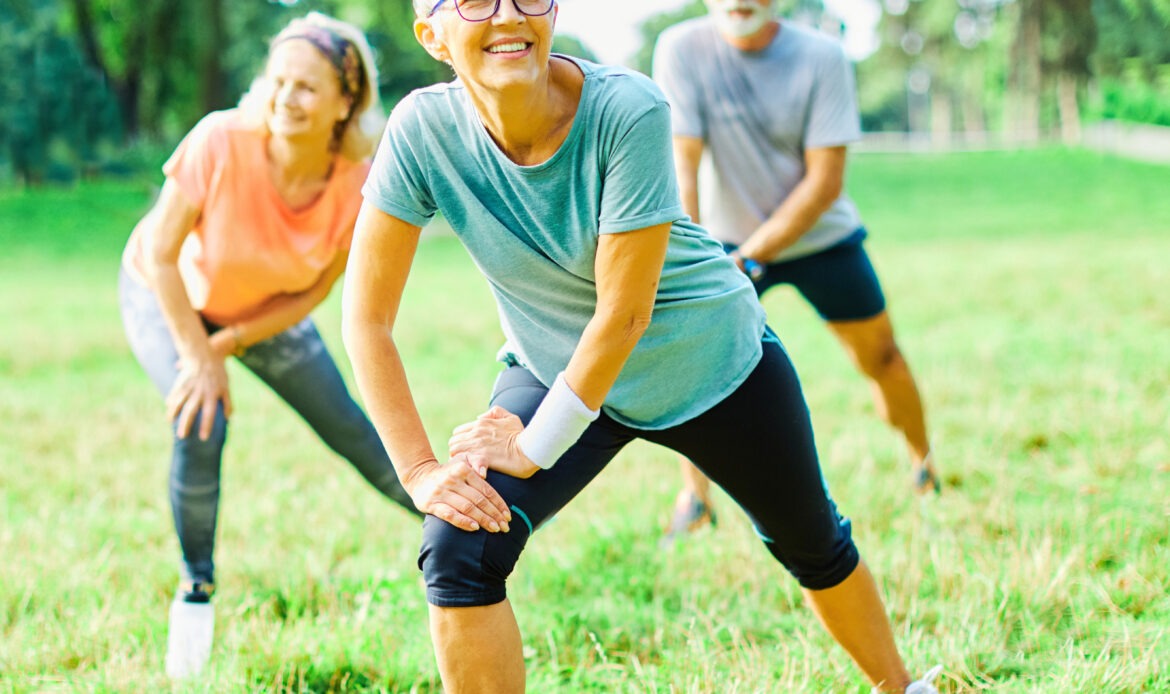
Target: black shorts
{"points": [[839, 281], [757, 444]]}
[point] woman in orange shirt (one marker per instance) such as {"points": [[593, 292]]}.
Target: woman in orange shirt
{"points": [[250, 232]]}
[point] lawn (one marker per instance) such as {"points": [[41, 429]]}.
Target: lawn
{"points": [[1029, 291]]}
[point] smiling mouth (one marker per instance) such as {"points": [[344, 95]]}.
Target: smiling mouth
{"points": [[512, 47]]}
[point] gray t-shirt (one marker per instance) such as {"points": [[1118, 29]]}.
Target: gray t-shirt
{"points": [[757, 113], [533, 231]]}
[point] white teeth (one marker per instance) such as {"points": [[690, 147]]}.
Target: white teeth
{"points": [[508, 47]]}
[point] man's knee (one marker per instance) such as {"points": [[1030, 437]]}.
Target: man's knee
{"points": [[878, 358], [463, 569]]}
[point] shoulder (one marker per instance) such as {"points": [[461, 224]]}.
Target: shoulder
{"points": [[219, 130], [227, 123], [812, 44], [428, 102], [613, 88], [352, 174]]}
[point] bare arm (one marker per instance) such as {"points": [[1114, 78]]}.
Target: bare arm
{"points": [[202, 380], [279, 313], [382, 253], [823, 181], [627, 268], [688, 152]]}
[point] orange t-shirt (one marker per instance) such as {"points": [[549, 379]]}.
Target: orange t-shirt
{"points": [[247, 245]]}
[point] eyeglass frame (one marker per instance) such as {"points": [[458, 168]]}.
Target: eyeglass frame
{"points": [[494, 11]]}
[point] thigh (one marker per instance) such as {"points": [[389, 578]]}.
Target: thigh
{"points": [[147, 332], [297, 366], [465, 569], [869, 343], [839, 282], [537, 498], [758, 446]]}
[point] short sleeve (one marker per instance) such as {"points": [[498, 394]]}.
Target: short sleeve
{"points": [[397, 183], [639, 188], [671, 73], [833, 117], [193, 164]]}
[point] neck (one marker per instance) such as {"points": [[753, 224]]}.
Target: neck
{"points": [[294, 160], [529, 122], [757, 41]]}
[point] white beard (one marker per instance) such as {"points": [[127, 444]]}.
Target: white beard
{"points": [[741, 27]]}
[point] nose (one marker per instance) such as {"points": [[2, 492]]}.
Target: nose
{"points": [[508, 13], [282, 94]]}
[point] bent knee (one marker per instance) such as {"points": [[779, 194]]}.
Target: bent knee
{"points": [[819, 565], [467, 569], [880, 359]]}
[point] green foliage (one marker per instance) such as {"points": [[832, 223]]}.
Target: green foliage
{"points": [[1134, 102], [1028, 292], [1133, 38], [82, 78], [571, 45], [643, 60], [56, 115]]}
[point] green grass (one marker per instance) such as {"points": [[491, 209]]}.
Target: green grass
{"points": [[1029, 292]]}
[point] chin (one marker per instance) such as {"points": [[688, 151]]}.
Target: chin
{"points": [[283, 128], [743, 27]]}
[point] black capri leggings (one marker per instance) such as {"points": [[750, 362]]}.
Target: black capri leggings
{"points": [[757, 444]]}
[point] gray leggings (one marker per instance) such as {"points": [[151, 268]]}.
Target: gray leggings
{"points": [[296, 365]]}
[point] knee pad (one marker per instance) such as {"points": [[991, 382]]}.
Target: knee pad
{"points": [[465, 569]]}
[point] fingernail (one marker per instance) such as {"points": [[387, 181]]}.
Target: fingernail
{"points": [[507, 528], [474, 525], [495, 527]]}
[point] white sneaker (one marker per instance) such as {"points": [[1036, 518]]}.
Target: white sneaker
{"points": [[924, 686], [189, 638]]}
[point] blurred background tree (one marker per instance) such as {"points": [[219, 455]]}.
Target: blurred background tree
{"points": [[104, 86]]}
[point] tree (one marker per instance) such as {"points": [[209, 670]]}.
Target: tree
{"points": [[650, 29], [55, 113], [571, 45]]}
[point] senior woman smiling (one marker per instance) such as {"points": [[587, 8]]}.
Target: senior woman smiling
{"points": [[623, 320]]}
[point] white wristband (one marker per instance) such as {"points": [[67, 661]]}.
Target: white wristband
{"points": [[559, 421]]}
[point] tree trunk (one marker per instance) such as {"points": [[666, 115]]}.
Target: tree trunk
{"points": [[212, 87], [1070, 113], [126, 89], [941, 116], [1023, 122]]}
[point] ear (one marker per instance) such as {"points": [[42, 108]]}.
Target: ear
{"points": [[429, 39]]}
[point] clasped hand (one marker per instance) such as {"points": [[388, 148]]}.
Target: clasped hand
{"points": [[459, 492], [490, 443]]}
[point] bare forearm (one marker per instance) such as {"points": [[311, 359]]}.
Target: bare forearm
{"points": [[689, 195], [606, 344], [381, 380], [183, 320], [796, 215], [274, 317]]}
